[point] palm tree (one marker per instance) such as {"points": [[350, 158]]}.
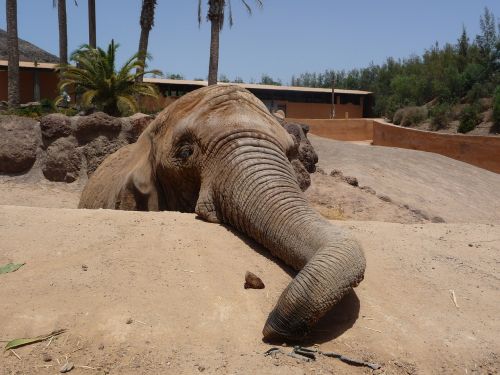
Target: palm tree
{"points": [[13, 52], [92, 24], [102, 86], [216, 17], [147, 23], [63, 29]]}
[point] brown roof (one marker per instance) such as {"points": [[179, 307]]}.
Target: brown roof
{"points": [[27, 51], [256, 86]]}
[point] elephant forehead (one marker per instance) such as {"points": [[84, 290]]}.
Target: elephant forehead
{"points": [[212, 111]]}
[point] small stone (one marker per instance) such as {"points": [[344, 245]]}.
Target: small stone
{"points": [[84, 267], [368, 190], [67, 367], [385, 198], [100, 347], [46, 357], [437, 219], [470, 245], [353, 181], [129, 321], [252, 281], [336, 173], [320, 171], [201, 368]]}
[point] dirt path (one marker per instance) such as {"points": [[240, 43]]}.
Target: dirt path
{"points": [[430, 183], [180, 281]]}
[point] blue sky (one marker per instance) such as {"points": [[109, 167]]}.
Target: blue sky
{"points": [[283, 38]]}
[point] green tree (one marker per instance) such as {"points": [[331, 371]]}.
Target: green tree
{"points": [[463, 48], [13, 54], [268, 80], [102, 86], [216, 15], [496, 108], [147, 23], [488, 38]]}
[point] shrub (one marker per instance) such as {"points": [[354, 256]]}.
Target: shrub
{"points": [[440, 116], [469, 118], [478, 91], [496, 108], [414, 116], [398, 116]]}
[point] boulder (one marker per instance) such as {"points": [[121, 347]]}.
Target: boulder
{"points": [[54, 126], [305, 150], [63, 160], [138, 122], [18, 143], [302, 175], [98, 149], [95, 125]]}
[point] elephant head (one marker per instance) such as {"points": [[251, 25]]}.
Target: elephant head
{"points": [[217, 151]]}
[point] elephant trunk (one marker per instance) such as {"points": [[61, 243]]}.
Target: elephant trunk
{"points": [[257, 193]]}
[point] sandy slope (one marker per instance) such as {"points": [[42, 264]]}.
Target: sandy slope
{"points": [[181, 282], [434, 184]]}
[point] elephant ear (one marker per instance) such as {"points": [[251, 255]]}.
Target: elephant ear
{"points": [[140, 190]]}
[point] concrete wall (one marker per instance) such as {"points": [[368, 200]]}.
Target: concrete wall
{"points": [[483, 152], [480, 151], [342, 130]]}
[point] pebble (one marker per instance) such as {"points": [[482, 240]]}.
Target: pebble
{"points": [[67, 367], [129, 321], [85, 267], [46, 357]]}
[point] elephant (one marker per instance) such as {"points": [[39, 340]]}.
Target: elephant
{"points": [[218, 152]]}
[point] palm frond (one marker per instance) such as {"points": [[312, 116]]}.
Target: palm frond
{"points": [[102, 85], [127, 101], [88, 97]]}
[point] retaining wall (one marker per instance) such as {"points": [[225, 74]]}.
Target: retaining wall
{"points": [[342, 130], [481, 151]]}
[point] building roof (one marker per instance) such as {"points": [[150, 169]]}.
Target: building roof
{"points": [[29, 64], [27, 51], [255, 86]]}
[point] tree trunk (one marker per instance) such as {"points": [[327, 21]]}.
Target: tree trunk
{"points": [[213, 66], [147, 22], [63, 32], [92, 24], [13, 52]]}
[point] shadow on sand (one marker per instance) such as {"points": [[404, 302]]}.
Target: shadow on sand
{"points": [[335, 322]]}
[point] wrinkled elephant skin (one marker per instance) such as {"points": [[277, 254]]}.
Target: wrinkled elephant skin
{"points": [[217, 151]]}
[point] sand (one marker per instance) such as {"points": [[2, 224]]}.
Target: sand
{"points": [[162, 293]]}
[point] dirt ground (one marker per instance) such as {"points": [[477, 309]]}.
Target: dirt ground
{"points": [[432, 184], [150, 293]]}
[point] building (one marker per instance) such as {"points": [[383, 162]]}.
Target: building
{"points": [[38, 80], [36, 69], [295, 102]]}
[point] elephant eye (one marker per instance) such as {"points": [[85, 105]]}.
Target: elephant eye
{"points": [[185, 151]]}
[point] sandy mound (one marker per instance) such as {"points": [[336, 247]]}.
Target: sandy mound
{"points": [[178, 282], [434, 185], [148, 293]]}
